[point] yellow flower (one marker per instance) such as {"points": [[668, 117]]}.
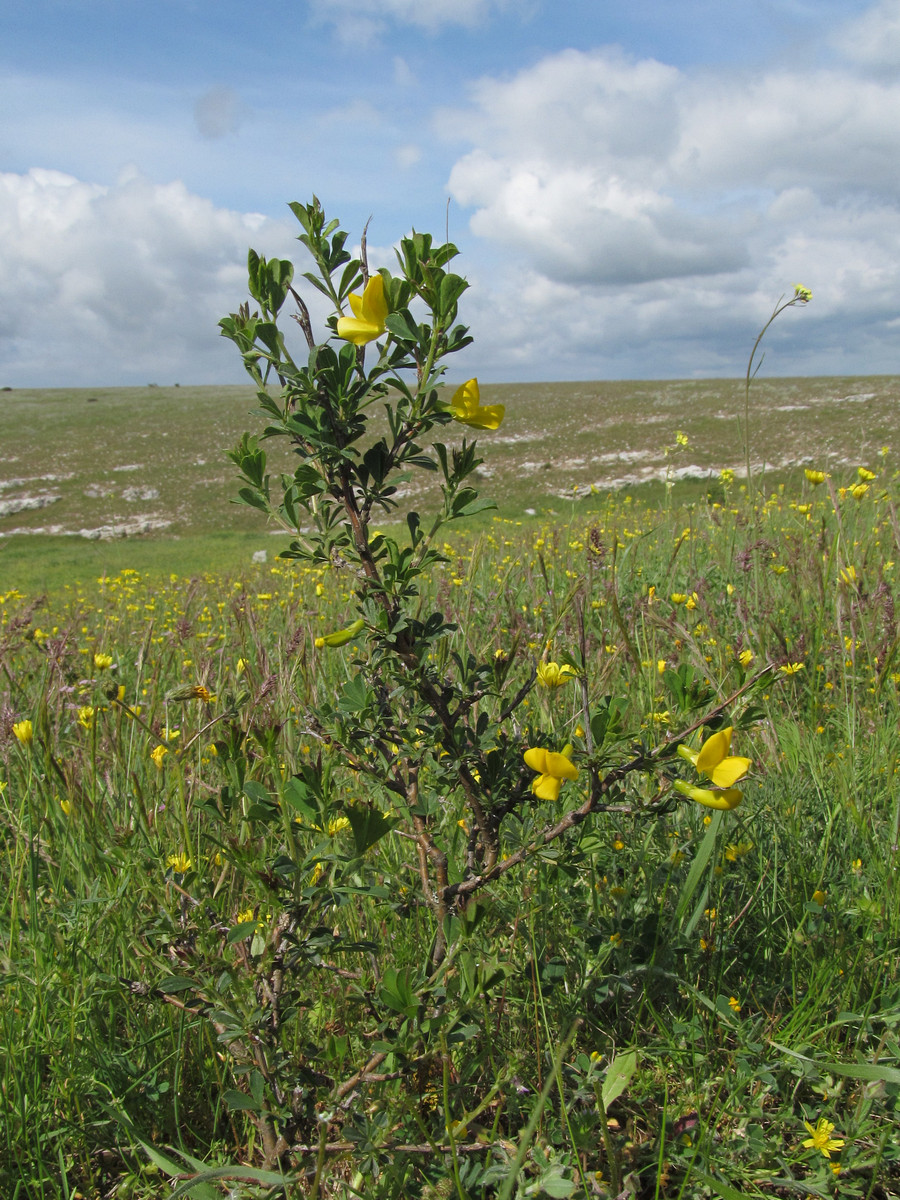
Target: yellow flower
{"points": [[661, 665], [180, 863], [681, 438], [821, 1138], [792, 668], [714, 761], [466, 407], [552, 675], [848, 575], [864, 474], [724, 800], [86, 717], [678, 597], [552, 770], [340, 637], [819, 897], [336, 824], [801, 293], [158, 753], [859, 490], [815, 477], [241, 666], [103, 661], [745, 658], [734, 851], [24, 732], [734, 1004], [369, 314]]}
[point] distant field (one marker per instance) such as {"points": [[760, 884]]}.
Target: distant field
{"points": [[149, 463]]}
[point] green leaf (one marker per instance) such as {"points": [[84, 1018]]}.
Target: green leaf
{"points": [[175, 983], [239, 1102], [618, 1076], [369, 826]]}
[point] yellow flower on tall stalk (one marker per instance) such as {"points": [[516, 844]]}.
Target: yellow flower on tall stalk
{"points": [[466, 407], [180, 863], [552, 675], [793, 668], [801, 293], [86, 717], [24, 732], [370, 312], [158, 753], [103, 661], [821, 1138], [865, 475], [859, 491], [553, 770], [815, 477]]}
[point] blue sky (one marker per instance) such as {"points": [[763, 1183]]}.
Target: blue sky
{"points": [[632, 186]]}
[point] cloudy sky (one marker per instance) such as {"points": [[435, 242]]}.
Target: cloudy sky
{"points": [[632, 186]]}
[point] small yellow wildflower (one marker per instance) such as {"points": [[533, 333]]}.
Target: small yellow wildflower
{"points": [[336, 825], [103, 661], [848, 575], [745, 658], [681, 438], [819, 897], [158, 753], [66, 806], [801, 293], [86, 717], [734, 1004], [865, 475], [615, 939], [180, 863], [24, 732], [551, 675], [821, 1138], [678, 597], [859, 490], [793, 668], [815, 477], [466, 407]]}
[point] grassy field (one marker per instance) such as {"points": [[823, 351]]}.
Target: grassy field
{"points": [[150, 462], [667, 1001]]}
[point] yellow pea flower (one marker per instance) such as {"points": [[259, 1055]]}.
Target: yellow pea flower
{"points": [[725, 801], [340, 637], [552, 675], [103, 661], [158, 753], [370, 312], [466, 407], [553, 769], [714, 761]]}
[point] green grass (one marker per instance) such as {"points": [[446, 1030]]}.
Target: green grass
{"points": [[634, 932]]}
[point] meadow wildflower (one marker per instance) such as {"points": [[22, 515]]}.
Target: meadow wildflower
{"points": [[865, 475], [466, 407], [859, 491], [370, 312], [180, 863], [734, 1004], [552, 675], [86, 716], [724, 800], [821, 1138], [793, 668], [815, 477], [819, 897], [553, 769], [103, 661], [158, 753], [24, 732], [340, 637], [801, 293], [714, 760], [745, 658]]}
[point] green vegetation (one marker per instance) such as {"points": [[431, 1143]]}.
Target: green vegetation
{"points": [[542, 859], [641, 932]]}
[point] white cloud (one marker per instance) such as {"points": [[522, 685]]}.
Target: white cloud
{"points": [[120, 284], [874, 38], [655, 215]]}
